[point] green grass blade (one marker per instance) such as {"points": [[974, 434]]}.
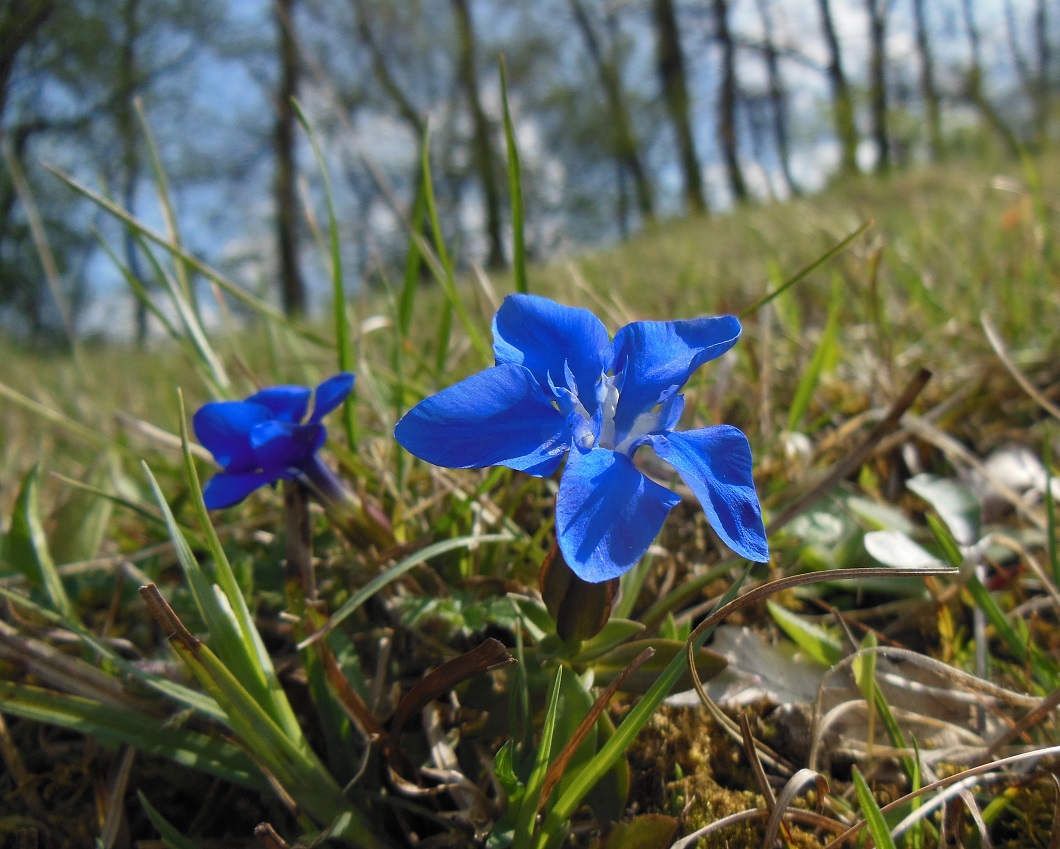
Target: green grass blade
{"points": [[165, 199], [112, 726], [524, 826], [338, 293], [257, 305], [290, 762], [515, 188], [805, 271], [396, 571], [221, 619], [250, 652], [446, 275], [818, 644], [55, 417], [185, 697], [80, 524], [170, 836], [874, 820], [138, 288], [825, 353]]}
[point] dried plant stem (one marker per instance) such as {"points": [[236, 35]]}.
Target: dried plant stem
{"points": [[856, 457], [996, 342]]}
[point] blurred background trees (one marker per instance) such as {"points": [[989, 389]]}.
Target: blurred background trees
{"points": [[627, 111]]}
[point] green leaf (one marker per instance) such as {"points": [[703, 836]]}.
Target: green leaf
{"points": [[81, 523], [26, 547], [609, 665], [817, 643], [614, 633]]}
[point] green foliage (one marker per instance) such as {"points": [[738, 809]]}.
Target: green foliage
{"points": [[293, 678]]}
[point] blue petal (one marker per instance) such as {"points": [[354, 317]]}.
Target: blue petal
{"points": [[330, 394], [499, 416], [281, 445], [715, 462], [656, 358], [547, 338], [225, 489], [223, 428], [287, 403], [607, 513]]}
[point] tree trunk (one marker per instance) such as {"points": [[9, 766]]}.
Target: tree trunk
{"points": [[974, 83], [406, 109], [672, 77], [929, 92], [727, 103], [877, 10], [484, 156], [843, 102], [18, 24], [126, 122], [292, 283], [623, 139], [778, 97]]}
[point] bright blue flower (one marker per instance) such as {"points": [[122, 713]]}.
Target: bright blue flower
{"points": [[264, 439], [561, 386]]}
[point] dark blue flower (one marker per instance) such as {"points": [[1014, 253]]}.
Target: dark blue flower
{"points": [[264, 439], [561, 386]]}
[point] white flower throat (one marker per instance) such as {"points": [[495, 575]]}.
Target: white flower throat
{"points": [[599, 430]]}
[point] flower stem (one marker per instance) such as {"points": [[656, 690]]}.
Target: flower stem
{"points": [[361, 523]]}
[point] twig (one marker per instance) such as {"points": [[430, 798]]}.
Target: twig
{"points": [[858, 456]]}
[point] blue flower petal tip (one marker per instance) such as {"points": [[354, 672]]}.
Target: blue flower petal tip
{"points": [[560, 384]]}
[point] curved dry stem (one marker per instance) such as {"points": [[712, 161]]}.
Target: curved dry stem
{"points": [[753, 596], [998, 344], [810, 818], [795, 786]]}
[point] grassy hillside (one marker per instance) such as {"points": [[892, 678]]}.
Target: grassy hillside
{"points": [[940, 258]]}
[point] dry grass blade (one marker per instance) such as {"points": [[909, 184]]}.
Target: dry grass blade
{"points": [[1054, 840], [16, 768], [491, 654], [1031, 718], [756, 763], [63, 672], [998, 344], [795, 785], [115, 800], [353, 705]]}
